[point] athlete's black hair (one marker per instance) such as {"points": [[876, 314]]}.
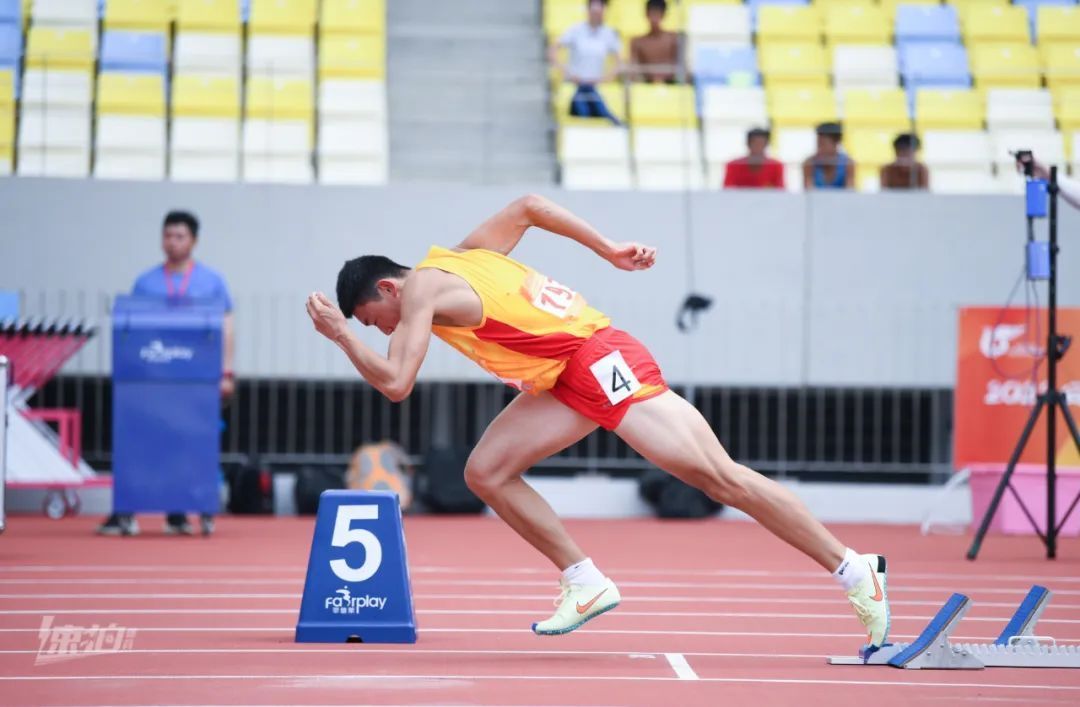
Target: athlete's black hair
{"points": [[358, 279]]}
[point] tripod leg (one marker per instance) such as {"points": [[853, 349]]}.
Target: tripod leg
{"points": [[984, 526], [1071, 422]]}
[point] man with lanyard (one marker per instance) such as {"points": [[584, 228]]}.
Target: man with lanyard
{"points": [[181, 277]]}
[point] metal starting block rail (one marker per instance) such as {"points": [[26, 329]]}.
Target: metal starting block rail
{"points": [[1016, 647]]}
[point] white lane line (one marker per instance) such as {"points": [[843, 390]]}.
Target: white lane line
{"points": [[359, 650], [325, 679], [278, 630], [166, 611], [682, 669], [275, 571], [1057, 607]]}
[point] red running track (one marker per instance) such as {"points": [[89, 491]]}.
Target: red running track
{"points": [[714, 612]]}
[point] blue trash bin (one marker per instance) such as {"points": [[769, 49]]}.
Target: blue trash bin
{"points": [[166, 405]]}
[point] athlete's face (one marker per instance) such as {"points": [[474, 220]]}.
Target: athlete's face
{"points": [[384, 313]]}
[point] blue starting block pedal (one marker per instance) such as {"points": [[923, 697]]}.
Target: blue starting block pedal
{"points": [[1016, 647], [357, 587]]}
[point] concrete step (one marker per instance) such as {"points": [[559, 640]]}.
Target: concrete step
{"points": [[477, 12]]}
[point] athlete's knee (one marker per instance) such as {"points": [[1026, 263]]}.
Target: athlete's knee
{"points": [[482, 475], [730, 483]]}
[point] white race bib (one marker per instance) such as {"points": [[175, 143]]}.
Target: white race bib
{"points": [[615, 377]]}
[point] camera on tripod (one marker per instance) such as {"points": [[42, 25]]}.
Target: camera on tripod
{"points": [[1026, 161]]}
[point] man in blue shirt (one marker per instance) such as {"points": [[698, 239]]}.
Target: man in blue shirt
{"points": [[181, 277]]}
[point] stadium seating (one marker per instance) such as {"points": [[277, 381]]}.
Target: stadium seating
{"points": [[1058, 24], [788, 23], [662, 105], [133, 51], [1061, 65], [871, 149], [857, 65], [7, 121], [65, 14], [140, 15], [792, 146], [353, 17], [734, 65], [851, 24], [721, 146], [667, 158], [278, 130], [207, 53], [994, 23], [353, 139], [927, 64], [739, 107], [794, 64], [362, 56], [959, 161], [949, 109], [1048, 144], [718, 23], [1067, 109], [205, 143], [208, 16], [1005, 65], [876, 109], [130, 135], [595, 157], [801, 107], [927, 23], [1018, 109]]}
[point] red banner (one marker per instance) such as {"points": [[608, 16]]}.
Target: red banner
{"points": [[1001, 370]]}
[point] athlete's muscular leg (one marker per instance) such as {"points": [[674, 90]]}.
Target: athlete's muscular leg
{"points": [[530, 429], [671, 433]]}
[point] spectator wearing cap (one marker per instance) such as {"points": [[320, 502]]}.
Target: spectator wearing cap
{"points": [[829, 167], [180, 277], [591, 45], [906, 171], [756, 170], [657, 56]]}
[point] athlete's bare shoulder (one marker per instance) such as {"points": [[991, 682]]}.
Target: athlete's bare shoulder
{"points": [[452, 299]]}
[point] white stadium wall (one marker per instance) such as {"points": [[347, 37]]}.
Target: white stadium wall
{"points": [[821, 289]]}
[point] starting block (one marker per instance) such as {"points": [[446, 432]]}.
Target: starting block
{"points": [[357, 587], [1016, 647]]}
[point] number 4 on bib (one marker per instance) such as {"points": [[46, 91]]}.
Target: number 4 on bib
{"points": [[357, 586], [615, 377]]}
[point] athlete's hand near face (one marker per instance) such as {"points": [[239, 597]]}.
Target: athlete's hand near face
{"points": [[632, 256], [328, 319]]}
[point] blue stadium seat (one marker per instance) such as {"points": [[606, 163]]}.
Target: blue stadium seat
{"points": [[133, 51], [11, 12], [927, 23], [937, 65], [10, 45], [1033, 9], [728, 65]]}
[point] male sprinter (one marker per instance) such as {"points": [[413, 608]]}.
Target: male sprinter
{"points": [[578, 372]]}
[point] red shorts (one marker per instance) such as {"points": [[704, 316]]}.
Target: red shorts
{"points": [[609, 373]]}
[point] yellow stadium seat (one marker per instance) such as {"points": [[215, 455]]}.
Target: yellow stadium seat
{"points": [[7, 88], [1058, 24], [870, 148], [995, 23], [559, 18], [279, 99], [949, 109], [876, 108], [1005, 65], [788, 23], [70, 49], [800, 107], [353, 16], [208, 16], [962, 6], [1061, 63], [613, 94], [662, 105], [282, 16], [352, 56], [889, 6], [131, 94], [7, 139], [857, 24], [195, 95], [1068, 109], [148, 15], [794, 64]]}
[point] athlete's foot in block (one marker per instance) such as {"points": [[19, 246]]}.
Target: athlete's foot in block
{"points": [[871, 602], [577, 603]]}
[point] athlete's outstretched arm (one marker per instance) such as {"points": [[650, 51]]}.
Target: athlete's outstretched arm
{"points": [[502, 232], [392, 375]]}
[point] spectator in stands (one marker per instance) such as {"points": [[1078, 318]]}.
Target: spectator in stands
{"points": [[591, 45], [657, 57], [829, 167], [180, 277], [906, 171], [756, 170]]}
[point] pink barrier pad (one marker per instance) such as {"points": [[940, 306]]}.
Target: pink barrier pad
{"points": [[1029, 480]]}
